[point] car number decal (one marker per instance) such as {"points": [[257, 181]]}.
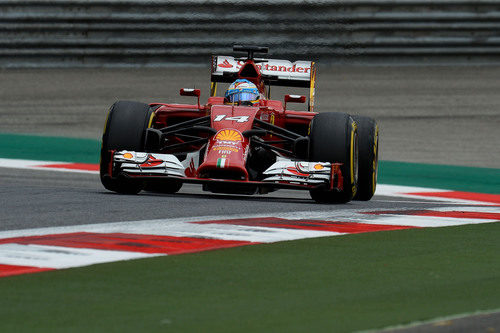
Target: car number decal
{"points": [[238, 119]]}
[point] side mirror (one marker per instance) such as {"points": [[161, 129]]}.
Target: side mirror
{"points": [[191, 92], [294, 99]]}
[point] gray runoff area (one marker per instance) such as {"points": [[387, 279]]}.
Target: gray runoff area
{"points": [[442, 114]]}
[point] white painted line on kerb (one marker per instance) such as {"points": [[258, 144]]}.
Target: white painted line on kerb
{"points": [[425, 221], [61, 257], [39, 165], [176, 228], [23, 164]]}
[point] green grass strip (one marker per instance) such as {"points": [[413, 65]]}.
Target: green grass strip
{"points": [[336, 284], [46, 148], [470, 179]]}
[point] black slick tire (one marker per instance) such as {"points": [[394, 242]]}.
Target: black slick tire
{"points": [[125, 129], [368, 157], [333, 138]]}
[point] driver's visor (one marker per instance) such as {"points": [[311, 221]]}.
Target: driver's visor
{"points": [[243, 97]]}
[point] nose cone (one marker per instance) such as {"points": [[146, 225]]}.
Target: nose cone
{"points": [[225, 156]]}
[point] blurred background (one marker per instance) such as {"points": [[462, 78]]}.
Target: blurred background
{"points": [[428, 71], [158, 32]]}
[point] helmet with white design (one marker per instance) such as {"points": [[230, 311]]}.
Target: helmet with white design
{"points": [[242, 91]]}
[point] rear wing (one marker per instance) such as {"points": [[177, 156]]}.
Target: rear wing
{"points": [[275, 72]]}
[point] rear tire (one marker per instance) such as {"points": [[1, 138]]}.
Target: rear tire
{"points": [[125, 129], [334, 138], [368, 157]]}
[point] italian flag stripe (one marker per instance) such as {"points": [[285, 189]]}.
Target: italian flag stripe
{"points": [[221, 162]]}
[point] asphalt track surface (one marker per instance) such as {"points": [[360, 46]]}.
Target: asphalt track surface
{"points": [[32, 199], [442, 115]]}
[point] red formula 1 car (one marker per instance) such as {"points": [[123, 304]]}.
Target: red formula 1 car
{"points": [[243, 142]]}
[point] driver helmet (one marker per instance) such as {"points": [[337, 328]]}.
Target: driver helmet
{"points": [[242, 91]]}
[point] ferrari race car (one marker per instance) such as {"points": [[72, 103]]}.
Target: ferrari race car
{"points": [[243, 142]]}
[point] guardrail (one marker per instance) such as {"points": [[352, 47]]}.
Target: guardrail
{"points": [[133, 32]]}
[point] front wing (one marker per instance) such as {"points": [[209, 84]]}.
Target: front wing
{"points": [[284, 173]]}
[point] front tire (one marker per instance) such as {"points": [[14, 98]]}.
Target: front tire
{"points": [[334, 138], [125, 129], [368, 157]]}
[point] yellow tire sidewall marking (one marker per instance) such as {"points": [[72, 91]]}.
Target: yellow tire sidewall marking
{"points": [[375, 160], [151, 119]]}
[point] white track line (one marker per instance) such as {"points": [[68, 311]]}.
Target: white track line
{"points": [[425, 221], [61, 257], [39, 165]]}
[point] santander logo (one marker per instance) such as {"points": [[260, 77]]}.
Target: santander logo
{"points": [[290, 69], [225, 64], [284, 69]]}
